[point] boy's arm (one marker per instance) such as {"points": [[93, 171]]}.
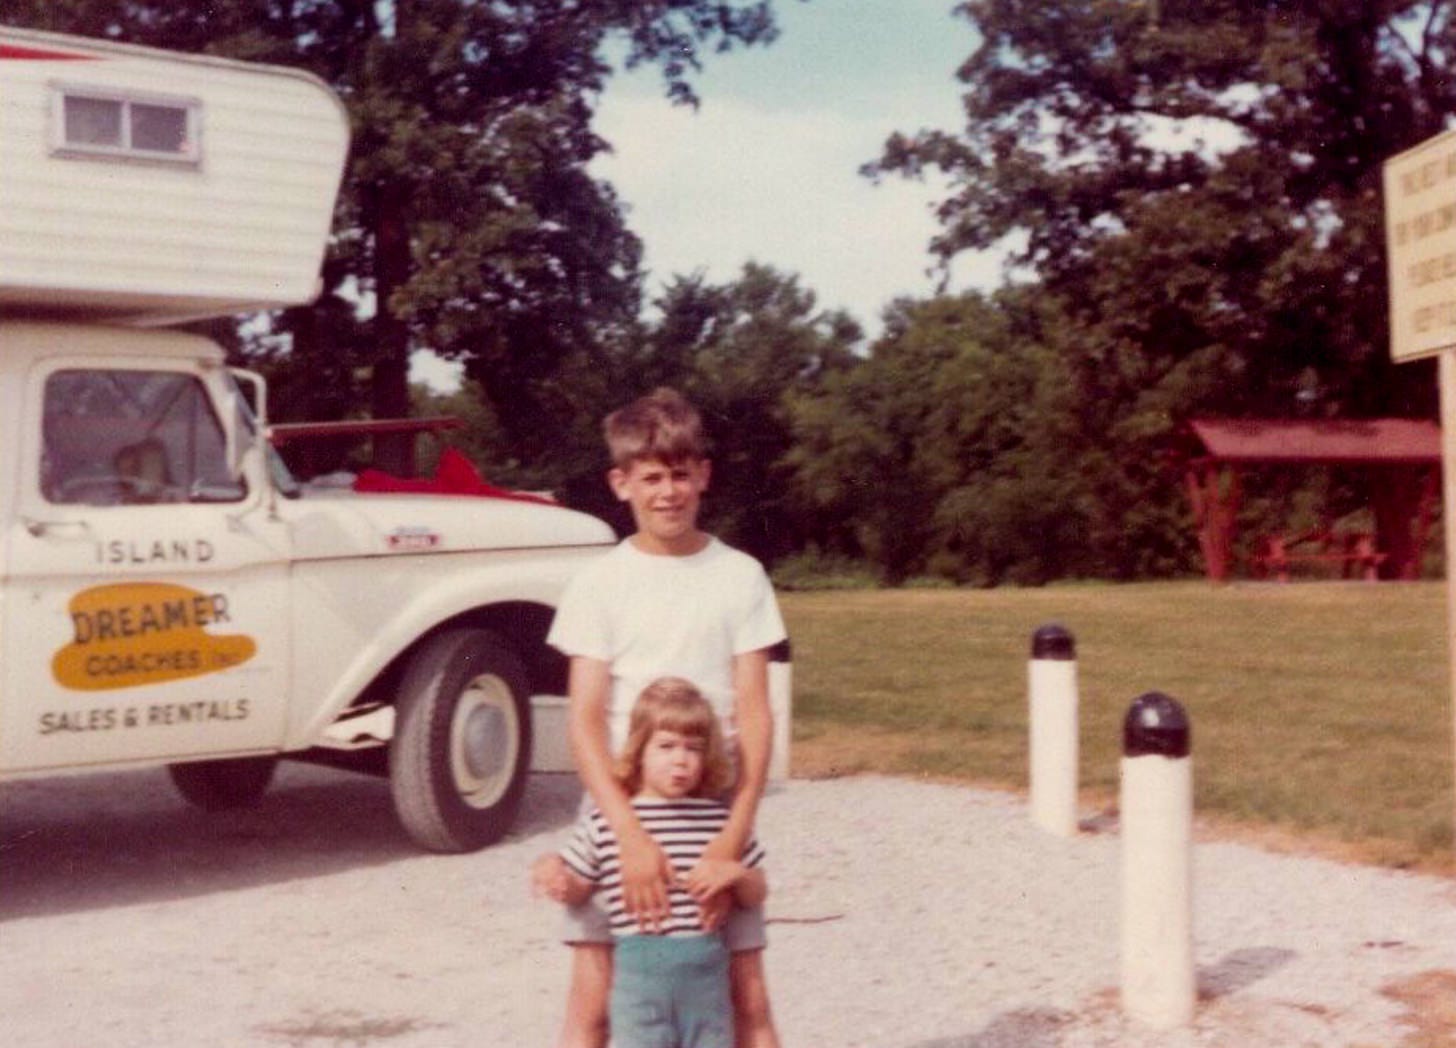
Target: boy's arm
{"points": [[645, 868], [755, 744]]}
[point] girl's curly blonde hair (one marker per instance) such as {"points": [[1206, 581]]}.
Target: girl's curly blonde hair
{"points": [[674, 704]]}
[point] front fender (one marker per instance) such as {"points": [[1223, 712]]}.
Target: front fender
{"points": [[446, 591]]}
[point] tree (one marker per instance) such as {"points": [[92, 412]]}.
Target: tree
{"points": [[940, 453], [1197, 185], [469, 224]]}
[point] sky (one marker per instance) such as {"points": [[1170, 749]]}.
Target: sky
{"points": [[767, 168]]}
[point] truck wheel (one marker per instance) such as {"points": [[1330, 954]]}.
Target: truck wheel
{"points": [[237, 782], [462, 741]]}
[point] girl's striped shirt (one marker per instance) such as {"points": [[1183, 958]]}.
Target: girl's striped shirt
{"points": [[684, 827]]}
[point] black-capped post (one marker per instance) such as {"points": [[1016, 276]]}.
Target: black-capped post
{"points": [[1158, 985], [1053, 642], [1052, 714], [781, 702]]}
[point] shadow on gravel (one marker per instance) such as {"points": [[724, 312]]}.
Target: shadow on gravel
{"points": [[1023, 1028], [342, 1028], [78, 843], [1241, 968], [550, 805], [1043, 1027]]}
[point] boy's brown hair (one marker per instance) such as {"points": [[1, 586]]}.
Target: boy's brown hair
{"points": [[674, 704], [660, 426]]}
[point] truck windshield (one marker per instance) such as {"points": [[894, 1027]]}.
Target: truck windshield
{"points": [[122, 436]]}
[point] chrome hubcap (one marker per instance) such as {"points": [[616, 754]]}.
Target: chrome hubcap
{"points": [[485, 740]]}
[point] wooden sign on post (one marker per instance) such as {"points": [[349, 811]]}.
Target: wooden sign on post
{"points": [[1420, 241]]}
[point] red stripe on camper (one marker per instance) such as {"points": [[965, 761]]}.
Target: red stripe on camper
{"points": [[12, 51]]}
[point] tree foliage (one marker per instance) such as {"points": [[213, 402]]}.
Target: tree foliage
{"points": [[940, 452], [1196, 185]]}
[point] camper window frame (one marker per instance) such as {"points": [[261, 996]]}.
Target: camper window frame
{"points": [[61, 146]]}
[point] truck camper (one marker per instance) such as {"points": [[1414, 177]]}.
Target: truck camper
{"points": [[168, 595], [152, 187]]}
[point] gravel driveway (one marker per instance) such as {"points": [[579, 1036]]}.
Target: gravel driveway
{"points": [[904, 915]]}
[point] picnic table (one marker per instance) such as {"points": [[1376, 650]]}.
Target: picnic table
{"points": [[1353, 551]]}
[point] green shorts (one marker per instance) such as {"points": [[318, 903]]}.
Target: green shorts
{"points": [[671, 992]]}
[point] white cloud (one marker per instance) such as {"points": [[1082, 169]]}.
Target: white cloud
{"points": [[768, 168], [734, 182]]}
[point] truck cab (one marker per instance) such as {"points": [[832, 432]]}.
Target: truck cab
{"points": [[169, 596]]}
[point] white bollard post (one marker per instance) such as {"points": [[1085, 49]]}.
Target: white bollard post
{"points": [[781, 704], [1052, 702], [1158, 983]]}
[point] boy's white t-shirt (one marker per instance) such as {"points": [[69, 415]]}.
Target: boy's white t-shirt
{"points": [[652, 616]]}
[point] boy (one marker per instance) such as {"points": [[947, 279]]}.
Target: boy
{"points": [[670, 600]]}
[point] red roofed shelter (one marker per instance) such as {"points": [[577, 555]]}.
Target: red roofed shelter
{"points": [[1404, 456]]}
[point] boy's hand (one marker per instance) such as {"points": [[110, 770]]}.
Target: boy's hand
{"points": [[710, 883], [646, 874], [712, 876], [706, 882]]}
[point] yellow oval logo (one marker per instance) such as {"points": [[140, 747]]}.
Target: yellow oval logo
{"points": [[134, 633]]}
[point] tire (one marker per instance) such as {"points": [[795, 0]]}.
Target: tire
{"points": [[461, 750], [237, 782]]}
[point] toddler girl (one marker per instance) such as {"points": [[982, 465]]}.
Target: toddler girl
{"points": [[670, 986]]}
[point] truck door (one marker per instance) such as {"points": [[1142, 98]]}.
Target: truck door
{"points": [[146, 605]]}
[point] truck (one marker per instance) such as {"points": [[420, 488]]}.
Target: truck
{"points": [[169, 596]]}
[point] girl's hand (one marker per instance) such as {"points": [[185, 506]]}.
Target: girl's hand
{"points": [[713, 911], [549, 878]]}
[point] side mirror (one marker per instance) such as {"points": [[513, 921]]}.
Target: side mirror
{"points": [[259, 387], [235, 443], [246, 425]]}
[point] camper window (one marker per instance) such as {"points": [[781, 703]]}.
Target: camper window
{"points": [[96, 122]]}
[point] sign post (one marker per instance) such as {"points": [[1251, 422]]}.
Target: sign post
{"points": [[1447, 376], [1420, 241]]}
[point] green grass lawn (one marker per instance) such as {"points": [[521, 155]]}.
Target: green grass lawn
{"points": [[1318, 709]]}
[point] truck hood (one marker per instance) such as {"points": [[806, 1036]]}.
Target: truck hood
{"points": [[352, 524]]}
